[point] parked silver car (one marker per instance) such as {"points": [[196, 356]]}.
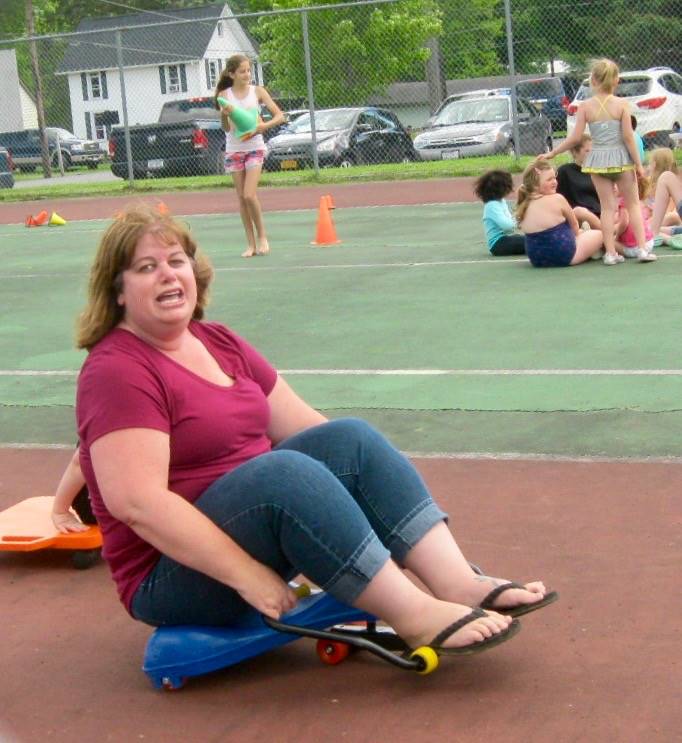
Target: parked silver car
{"points": [[483, 126]]}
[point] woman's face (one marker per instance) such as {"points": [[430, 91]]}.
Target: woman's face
{"points": [[242, 74], [159, 292], [581, 154], [547, 182]]}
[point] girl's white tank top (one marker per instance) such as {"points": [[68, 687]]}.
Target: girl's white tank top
{"points": [[250, 100]]}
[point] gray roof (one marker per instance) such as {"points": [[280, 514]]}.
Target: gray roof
{"points": [[156, 40], [417, 93]]}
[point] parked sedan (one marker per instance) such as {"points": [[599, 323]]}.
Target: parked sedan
{"points": [[483, 126], [344, 137]]}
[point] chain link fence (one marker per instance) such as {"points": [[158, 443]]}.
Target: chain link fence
{"points": [[364, 82]]}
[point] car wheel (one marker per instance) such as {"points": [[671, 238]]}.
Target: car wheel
{"points": [[346, 162], [93, 166], [548, 145], [66, 160], [509, 150]]}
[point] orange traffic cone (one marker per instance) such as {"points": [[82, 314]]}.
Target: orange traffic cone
{"points": [[326, 234], [56, 220], [41, 218], [330, 202], [161, 208], [30, 221]]}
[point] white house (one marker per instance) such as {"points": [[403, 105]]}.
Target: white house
{"points": [[162, 61], [18, 110]]}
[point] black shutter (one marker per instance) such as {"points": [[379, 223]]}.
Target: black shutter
{"points": [[162, 79], [105, 92], [84, 85], [183, 78], [208, 74], [88, 126]]}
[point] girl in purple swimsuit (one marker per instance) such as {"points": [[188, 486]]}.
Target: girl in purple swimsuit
{"points": [[553, 239]]}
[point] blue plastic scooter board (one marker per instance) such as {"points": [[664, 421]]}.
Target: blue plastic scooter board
{"points": [[176, 653]]}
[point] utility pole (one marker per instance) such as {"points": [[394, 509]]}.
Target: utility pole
{"points": [[33, 52]]}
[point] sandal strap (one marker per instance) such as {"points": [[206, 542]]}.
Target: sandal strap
{"points": [[488, 601], [455, 626]]}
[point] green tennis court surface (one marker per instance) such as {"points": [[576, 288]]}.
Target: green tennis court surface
{"points": [[407, 323]]}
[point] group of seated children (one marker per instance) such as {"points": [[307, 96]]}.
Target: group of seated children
{"points": [[612, 160], [576, 210]]}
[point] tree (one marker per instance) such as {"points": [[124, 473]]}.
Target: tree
{"points": [[355, 52]]}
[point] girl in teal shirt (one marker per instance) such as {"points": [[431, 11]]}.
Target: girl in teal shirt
{"points": [[498, 221]]}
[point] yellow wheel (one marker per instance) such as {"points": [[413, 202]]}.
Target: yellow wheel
{"points": [[428, 659]]}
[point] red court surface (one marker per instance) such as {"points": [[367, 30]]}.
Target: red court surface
{"points": [[602, 664], [225, 200]]}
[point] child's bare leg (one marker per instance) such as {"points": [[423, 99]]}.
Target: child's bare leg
{"points": [[238, 177], [585, 215], [627, 184], [607, 199], [668, 187], [586, 245], [250, 185]]}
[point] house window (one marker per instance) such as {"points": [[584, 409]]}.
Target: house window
{"points": [[173, 78], [212, 72], [103, 123], [220, 28], [95, 85]]}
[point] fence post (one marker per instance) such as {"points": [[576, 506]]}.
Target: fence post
{"points": [[124, 105], [512, 75], [309, 81]]}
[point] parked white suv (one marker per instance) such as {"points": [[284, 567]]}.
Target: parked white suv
{"points": [[655, 97]]}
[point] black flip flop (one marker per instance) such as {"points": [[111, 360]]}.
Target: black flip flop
{"points": [[520, 609], [475, 647]]}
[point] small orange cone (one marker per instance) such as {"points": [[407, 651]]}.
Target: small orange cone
{"points": [[30, 221], [56, 220], [330, 202], [41, 219], [326, 234], [161, 208]]}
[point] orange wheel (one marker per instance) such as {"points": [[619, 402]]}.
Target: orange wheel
{"points": [[332, 652]]}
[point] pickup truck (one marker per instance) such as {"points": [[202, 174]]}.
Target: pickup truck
{"points": [[187, 140]]}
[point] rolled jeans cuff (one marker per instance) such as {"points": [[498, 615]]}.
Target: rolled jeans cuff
{"points": [[413, 529], [350, 582]]}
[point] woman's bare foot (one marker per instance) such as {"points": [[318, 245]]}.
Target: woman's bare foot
{"points": [[482, 585], [441, 614], [263, 246], [249, 252]]}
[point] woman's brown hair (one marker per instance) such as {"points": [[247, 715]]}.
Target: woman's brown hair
{"points": [[529, 186], [114, 255], [225, 80]]}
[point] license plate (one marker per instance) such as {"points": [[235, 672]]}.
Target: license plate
{"points": [[154, 164], [289, 164], [450, 155]]}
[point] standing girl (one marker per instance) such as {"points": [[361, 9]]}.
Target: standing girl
{"points": [[244, 157], [614, 157]]}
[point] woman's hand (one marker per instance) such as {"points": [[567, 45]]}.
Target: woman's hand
{"points": [[67, 522], [639, 170], [545, 155], [267, 592]]}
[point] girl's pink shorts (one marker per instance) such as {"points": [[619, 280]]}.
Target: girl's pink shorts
{"points": [[236, 161]]}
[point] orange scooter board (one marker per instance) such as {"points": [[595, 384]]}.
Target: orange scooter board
{"points": [[27, 526]]}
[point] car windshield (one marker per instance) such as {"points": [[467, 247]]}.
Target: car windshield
{"points": [[628, 87], [325, 121], [480, 110], [539, 89], [61, 133], [194, 108]]}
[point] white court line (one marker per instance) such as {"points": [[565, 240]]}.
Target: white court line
{"points": [[466, 456], [413, 372], [333, 266]]}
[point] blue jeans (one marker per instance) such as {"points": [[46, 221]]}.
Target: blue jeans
{"points": [[333, 502]]}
